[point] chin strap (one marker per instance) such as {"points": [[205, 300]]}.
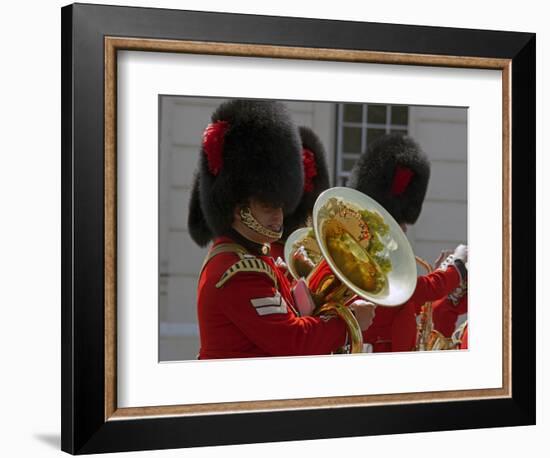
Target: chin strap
{"points": [[252, 223]]}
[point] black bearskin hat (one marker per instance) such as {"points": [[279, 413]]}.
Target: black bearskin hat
{"points": [[395, 172], [316, 180], [198, 229], [250, 149]]}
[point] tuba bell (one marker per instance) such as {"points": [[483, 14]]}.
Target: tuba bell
{"points": [[355, 249]]}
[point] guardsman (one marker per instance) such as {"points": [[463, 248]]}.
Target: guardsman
{"points": [[395, 172], [250, 174]]}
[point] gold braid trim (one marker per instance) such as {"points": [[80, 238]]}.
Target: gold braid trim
{"points": [[252, 223], [223, 248], [247, 265]]}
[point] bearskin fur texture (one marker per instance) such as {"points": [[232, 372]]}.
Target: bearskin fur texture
{"points": [[320, 181], [262, 158], [374, 173]]}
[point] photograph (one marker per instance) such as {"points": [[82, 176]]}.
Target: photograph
{"points": [[238, 183]]}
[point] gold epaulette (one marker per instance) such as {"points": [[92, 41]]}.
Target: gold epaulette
{"points": [[248, 263]]}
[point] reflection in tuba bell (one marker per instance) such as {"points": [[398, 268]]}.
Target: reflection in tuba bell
{"points": [[355, 248]]}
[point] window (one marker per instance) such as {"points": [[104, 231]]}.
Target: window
{"points": [[360, 124]]}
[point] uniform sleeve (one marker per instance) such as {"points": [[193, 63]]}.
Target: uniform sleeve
{"points": [[434, 286], [464, 343], [251, 302], [403, 329], [445, 314]]}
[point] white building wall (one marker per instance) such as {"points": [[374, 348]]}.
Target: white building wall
{"points": [[443, 135]]}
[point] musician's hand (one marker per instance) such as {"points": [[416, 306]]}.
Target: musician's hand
{"points": [[364, 312], [281, 265], [459, 258], [461, 252]]}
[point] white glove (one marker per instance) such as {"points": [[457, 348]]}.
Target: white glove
{"points": [[281, 264], [461, 252], [302, 298], [364, 312], [458, 259]]}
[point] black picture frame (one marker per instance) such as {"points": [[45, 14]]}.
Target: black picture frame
{"points": [[85, 428]]}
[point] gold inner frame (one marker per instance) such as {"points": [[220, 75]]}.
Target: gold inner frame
{"points": [[114, 44]]}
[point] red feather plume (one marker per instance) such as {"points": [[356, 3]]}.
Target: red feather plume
{"points": [[401, 179], [310, 169], [212, 142]]}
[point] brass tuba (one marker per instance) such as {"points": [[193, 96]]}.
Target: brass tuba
{"points": [[355, 249]]}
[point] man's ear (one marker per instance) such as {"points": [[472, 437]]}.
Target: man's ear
{"points": [[237, 211]]}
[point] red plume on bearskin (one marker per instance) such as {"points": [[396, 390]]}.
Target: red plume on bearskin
{"points": [[310, 169], [212, 144], [401, 179]]}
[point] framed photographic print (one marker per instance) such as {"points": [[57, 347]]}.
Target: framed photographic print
{"points": [[141, 90]]}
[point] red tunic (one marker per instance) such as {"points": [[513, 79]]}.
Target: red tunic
{"points": [[464, 341], [278, 250], [394, 328], [250, 316], [445, 314]]}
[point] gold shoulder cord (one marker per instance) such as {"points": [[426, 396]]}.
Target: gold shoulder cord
{"points": [[223, 248], [247, 263]]}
